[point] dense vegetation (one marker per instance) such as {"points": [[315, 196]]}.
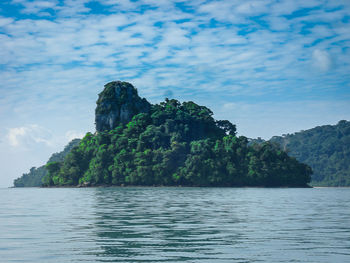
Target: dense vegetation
{"points": [[35, 175], [175, 144], [32, 178], [326, 149]]}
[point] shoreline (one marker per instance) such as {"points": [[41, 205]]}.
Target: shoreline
{"points": [[172, 186], [168, 186]]}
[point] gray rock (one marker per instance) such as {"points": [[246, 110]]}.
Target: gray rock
{"points": [[118, 103]]}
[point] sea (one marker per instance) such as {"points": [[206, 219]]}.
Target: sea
{"points": [[175, 224]]}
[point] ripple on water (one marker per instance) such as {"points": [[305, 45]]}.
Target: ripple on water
{"points": [[175, 225]]}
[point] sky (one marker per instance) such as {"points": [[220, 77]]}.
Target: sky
{"points": [[271, 67]]}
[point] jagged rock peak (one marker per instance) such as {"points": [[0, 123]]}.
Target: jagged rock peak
{"points": [[118, 103]]}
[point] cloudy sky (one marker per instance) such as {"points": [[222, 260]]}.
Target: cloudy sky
{"points": [[271, 67]]}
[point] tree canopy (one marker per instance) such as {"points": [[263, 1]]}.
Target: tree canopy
{"points": [[175, 144]]}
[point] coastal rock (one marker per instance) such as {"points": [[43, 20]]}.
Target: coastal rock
{"points": [[118, 103]]}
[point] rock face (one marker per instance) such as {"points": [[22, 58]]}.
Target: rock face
{"points": [[118, 103]]}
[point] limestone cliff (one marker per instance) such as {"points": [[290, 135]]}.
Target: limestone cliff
{"points": [[118, 103]]}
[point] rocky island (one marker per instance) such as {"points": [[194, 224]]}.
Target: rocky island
{"points": [[169, 144]]}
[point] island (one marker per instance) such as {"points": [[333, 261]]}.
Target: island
{"points": [[169, 144], [326, 149]]}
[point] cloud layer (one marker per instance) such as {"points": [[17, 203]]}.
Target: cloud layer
{"points": [[241, 47]]}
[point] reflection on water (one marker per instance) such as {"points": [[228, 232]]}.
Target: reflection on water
{"points": [[175, 225]]}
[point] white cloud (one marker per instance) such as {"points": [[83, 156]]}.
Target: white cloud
{"points": [[70, 135], [253, 7], [36, 7], [321, 60], [29, 137], [73, 8], [26, 136], [14, 133], [5, 21], [278, 23]]}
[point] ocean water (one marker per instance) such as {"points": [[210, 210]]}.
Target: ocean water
{"points": [[175, 225]]}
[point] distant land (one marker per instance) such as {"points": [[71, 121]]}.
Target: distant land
{"points": [[326, 149], [167, 144], [34, 177]]}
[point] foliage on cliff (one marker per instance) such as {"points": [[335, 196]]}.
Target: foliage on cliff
{"points": [[35, 175], [326, 149], [175, 144]]}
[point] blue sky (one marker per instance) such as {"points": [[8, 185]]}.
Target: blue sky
{"points": [[271, 67]]}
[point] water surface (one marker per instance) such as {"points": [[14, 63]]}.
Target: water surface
{"points": [[174, 225]]}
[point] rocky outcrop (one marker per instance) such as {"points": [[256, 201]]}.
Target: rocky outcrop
{"points": [[118, 103]]}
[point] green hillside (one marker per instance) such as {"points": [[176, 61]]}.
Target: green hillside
{"points": [[325, 148]]}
